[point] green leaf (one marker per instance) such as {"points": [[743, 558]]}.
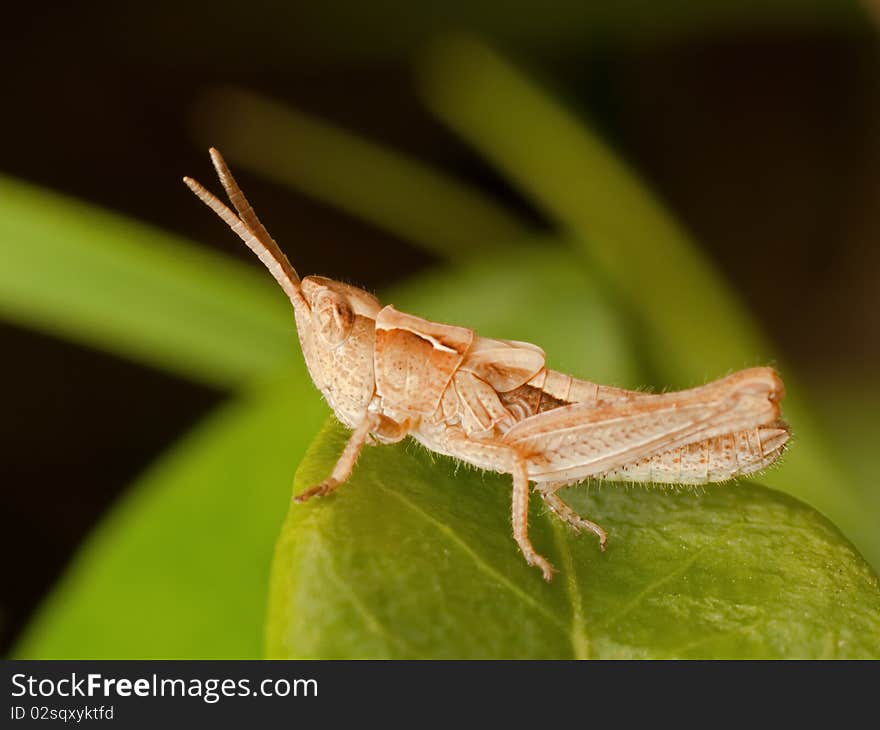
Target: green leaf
{"points": [[692, 324], [414, 559], [78, 272], [178, 569]]}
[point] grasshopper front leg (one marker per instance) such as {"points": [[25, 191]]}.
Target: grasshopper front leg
{"points": [[344, 465], [373, 424]]}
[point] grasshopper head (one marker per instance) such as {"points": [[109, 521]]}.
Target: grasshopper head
{"points": [[335, 321], [334, 308], [337, 331]]}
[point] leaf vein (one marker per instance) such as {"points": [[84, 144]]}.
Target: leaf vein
{"points": [[676, 653], [478, 561], [580, 642], [371, 621]]}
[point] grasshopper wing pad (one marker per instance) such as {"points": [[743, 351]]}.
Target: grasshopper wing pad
{"points": [[580, 440], [480, 408], [504, 364], [415, 360]]}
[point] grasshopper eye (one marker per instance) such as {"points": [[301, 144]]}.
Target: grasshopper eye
{"points": [[333, 317]]}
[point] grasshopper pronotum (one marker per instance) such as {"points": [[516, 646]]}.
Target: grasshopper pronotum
{"points": [[494, 404]]}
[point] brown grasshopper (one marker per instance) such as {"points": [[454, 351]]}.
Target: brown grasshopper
{"points": [[494, 403]]}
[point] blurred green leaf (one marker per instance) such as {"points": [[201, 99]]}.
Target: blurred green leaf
{"points": [[178, 568], [849, 409], [414, 559], [97, 278], [693, 326], [374, 183]]}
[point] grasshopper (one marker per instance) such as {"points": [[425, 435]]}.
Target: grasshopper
{"points": [[494, 404]]}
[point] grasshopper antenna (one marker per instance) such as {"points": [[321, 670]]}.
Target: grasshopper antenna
{"points": [[247, 226]]}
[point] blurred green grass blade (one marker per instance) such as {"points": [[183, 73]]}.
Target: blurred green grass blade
{"points": [[414, 559], [96, 278], [376, 184], [850, 411], [178, 568], [695, 326], [567, 169]]}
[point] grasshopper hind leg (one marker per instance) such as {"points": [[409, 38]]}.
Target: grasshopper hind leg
{"points": [[521, 520], [492, 454], [564, 512]]}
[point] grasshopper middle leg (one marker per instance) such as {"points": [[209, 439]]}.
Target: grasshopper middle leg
{"points": [[567, 514]]}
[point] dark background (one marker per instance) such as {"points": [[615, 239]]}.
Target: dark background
{"points": [[761, 133]]}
